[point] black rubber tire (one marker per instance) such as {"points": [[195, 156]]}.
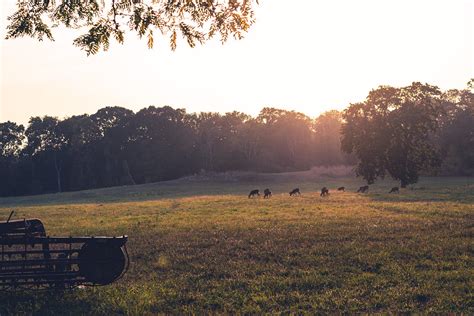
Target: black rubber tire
{"points": [[101, 263]]}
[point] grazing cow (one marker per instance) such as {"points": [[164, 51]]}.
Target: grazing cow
{"points": [[295, 192], [363, 189], [253, 193], [343, 189], [267, 193], [324, 191], [394, 190]]}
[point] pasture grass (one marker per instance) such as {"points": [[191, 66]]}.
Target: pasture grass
{"points": [[204, 247]]}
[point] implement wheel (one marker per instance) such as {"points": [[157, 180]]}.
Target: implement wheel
{"points": [[101, 263]]}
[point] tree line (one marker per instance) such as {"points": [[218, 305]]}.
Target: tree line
{"points": [[116, 146], [396, 131]]}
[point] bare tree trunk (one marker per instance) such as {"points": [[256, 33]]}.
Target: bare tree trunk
{"points": [[58, 172], [210, 156], [127, 170]]}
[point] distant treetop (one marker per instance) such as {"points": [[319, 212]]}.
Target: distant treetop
{"points": [[195, 20]]}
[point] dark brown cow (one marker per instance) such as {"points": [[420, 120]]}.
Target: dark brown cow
{"points": [[267, 193], [295, 192], [253, 193], [363, 189], [324, 191], [394, 190]]}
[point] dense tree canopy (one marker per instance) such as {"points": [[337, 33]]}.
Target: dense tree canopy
{"points": [[11, 138], [116, 146], [327, 143], [456, 138], [401, 132], [405, 131], [196, 21]]}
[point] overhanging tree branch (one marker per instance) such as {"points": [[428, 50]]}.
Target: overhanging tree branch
{"points": [[197, 21]]}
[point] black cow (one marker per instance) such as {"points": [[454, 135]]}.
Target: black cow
{"points": [[295, 192], [324, 191], [253, 193], [343, 189], [267, 193], [394, 190], [363, 189]]}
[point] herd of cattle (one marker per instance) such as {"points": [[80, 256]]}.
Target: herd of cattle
{"points": [[324, 191]]}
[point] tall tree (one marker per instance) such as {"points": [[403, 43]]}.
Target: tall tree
{"points": [[11, 139], [78, 134], [11, 142], [327, 139], [46, 144], [160, 144], [217, 140], [195, 20], [390, 132], [249, 143], [112, 131], [286, 139], [456, 137]]}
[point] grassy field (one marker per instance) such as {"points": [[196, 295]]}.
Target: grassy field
{"points": [[204, 247]]}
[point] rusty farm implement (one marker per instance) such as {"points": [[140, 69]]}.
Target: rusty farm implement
{"points": [[31, 259]]}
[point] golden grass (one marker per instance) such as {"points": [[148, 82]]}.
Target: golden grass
{"points": [[225, 253]]}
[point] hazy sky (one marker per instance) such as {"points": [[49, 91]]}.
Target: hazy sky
{"points": [[305, 55]]}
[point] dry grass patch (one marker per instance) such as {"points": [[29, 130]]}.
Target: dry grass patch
{"points": [[227, 253]]}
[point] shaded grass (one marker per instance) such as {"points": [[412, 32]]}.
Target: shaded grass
{"points": [[224, 253], [429, 189]]}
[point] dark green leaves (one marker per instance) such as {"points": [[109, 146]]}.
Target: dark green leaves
{"points": [[196, 21], [390, 132], [27, 21], [72, 12], [98, 37], [11, 139]]}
